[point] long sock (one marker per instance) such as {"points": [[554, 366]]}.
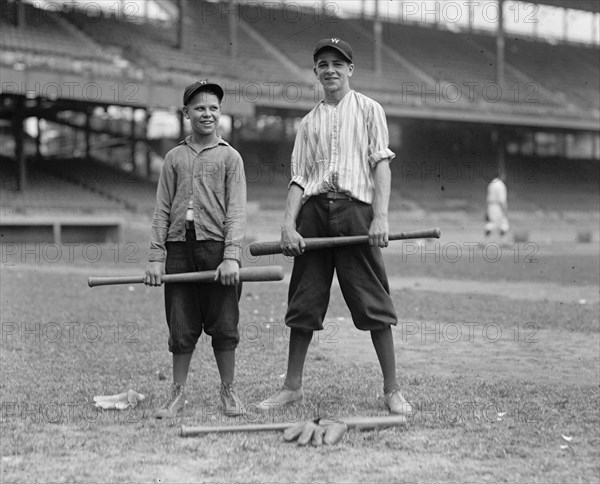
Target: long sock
{"points": [[383, 341], [226, 365], [181, 367], [298, 347]]}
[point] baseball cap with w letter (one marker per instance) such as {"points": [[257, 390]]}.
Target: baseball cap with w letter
{"points": [[198, 86], [340, 45]]}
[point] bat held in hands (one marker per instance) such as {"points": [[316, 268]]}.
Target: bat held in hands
{"points": [[316, 243], [247, 274]]}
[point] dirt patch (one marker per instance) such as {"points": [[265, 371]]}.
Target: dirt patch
{"points": [[470, 350], [547, 291]]}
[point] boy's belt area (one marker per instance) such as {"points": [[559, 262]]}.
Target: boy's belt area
{"points": [[335, 196], [189, 225]]}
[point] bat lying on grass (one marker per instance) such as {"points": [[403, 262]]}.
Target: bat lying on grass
{"points": [[247, 274], [359, 423], [316, 243]]}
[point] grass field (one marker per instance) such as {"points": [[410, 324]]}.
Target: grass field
{"points": [[499, 355]]}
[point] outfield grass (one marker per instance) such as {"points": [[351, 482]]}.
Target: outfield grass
{"points": [[491, 406]]}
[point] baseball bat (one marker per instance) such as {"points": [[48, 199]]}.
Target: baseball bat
{"points": [[247, 274], [315, 243], [359, 423]]}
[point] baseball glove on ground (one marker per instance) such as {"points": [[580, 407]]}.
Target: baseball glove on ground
{"points": [[316, 434]]}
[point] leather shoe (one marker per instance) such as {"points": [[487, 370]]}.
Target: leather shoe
{"points": [[396, 403], [232, 405], [174, 405], [281, 398]]}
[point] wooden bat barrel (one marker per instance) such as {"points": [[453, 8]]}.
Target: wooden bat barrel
{"points": [[359, 423], [247, 274], [316, 243]]}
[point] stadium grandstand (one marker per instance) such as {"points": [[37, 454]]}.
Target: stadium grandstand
{"points": [[90, 101]]}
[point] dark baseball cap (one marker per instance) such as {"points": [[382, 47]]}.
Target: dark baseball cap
{"points": [[334, 43], [198, 86]]}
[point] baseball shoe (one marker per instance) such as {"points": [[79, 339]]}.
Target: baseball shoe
{"points": [[396, 403], [281, 398], [174, 405], [232, 405]]}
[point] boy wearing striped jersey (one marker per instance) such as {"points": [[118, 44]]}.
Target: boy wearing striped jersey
{"points": [[340, 186]]}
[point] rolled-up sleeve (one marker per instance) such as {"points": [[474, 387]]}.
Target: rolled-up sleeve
{"points": [[378, 136], [162, 212], [235, 212], [298, 160]]}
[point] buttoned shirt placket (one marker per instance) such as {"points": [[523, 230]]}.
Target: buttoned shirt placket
{"points": [[333, 147], [190, 208]]}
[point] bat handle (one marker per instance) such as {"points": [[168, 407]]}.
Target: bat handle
{"points": [[106, 281], [265, 248]]}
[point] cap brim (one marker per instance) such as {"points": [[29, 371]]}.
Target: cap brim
{"points": [[316, 53], [205, 87]]}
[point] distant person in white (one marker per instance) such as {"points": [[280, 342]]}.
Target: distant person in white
{"points": [[497, 210]]}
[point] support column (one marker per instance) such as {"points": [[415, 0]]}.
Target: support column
{"points": [[87, 132], [498, 143], [233, 29], [148, 115], [181, 24], [595, 146], [17, 128], [562, 144], [20, 13], [233, 135], [471, 15], [500, 45], [133, 141], [38, 139], [377, 36], [181, 125]]}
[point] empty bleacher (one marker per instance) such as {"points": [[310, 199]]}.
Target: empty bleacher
{"points": [[142, 43], [46, 193], [205, 50], [296, 41], [46, 40], [74, 40], [44, 31], [534, 186], [455, 58], [208, 37], [571, 72], [124, 189]]}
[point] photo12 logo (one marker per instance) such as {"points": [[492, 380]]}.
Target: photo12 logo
{"points": [[454, 12], [69, 332], [114, 91], [468, 332], [51, 253], [471, 252]]}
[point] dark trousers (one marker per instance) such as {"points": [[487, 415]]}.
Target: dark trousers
{"points": [[192, 308], [360, 269]]}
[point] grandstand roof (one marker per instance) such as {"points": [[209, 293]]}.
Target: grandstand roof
{"points": [[586, 5]]}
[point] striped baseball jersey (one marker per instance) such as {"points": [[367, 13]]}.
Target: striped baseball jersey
{"points": [[337, 147]]}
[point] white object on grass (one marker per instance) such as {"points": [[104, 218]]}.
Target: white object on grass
{"points": [[120, 401]]}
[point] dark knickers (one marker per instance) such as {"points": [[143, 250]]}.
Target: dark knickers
{"points": [[192, 308], [360, 269]]}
